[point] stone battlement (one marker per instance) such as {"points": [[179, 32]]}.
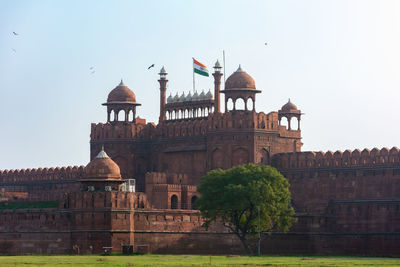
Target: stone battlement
{"points": [[41, 174], [121, 130], [338, 159]]}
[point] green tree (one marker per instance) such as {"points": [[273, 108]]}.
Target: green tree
{"points": [[234, 196]]}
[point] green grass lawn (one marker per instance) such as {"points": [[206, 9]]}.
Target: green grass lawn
{"points": [[193, 260]]}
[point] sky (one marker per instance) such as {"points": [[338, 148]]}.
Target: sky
{"points": [[338, 61]]}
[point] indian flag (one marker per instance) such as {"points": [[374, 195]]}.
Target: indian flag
{"points": [[199, 68]]}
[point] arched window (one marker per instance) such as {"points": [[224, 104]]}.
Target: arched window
{"points": [[250, 104], [112, 115], [284, 122], [239, 104], [294, 123], [174, 202], [193, 202], [130, 115], [229, 104], [117, 115]]}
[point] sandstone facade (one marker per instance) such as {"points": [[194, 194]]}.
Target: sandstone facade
{"points": [[346, 202]]}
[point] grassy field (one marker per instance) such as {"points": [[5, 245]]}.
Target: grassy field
{"points": [[192, 260]]}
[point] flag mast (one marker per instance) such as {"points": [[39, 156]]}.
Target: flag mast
{"points": [[224, 66], [193, 74]]}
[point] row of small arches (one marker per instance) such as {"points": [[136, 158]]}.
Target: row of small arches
{"points": [[121, 115], [175, 203], [188, 113], [239, 104]]}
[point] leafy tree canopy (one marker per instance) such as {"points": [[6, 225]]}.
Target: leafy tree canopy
{"points": [[234, 197]]}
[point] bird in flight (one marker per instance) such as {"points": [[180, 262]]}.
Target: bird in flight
{"points": [[14, 50], [93, 72], [15, 33], [91, 68], [265, 43], [152, 65]]}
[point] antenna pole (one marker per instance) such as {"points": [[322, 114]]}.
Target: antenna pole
{"points": [[224, 66], [193, 75]]}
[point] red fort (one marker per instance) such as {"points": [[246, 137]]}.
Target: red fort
{"points": [[138, 191]]}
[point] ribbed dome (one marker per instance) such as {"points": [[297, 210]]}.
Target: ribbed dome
{"points": [[195, 96], [209, 95], [121, 93], [289, 107], [170, 99], [202, 96], [102, 167], [240, 80]]}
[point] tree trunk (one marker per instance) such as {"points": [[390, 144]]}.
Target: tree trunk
{"points": [[246, 246]]}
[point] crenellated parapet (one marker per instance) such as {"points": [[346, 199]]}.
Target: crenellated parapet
{"points": [[183, 128], [231, 120], [243, 120], [41, 174], [166, 178], [338, 159], [122, 130]]}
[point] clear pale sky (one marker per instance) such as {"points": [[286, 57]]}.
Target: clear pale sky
{"points": [[338, 61]]}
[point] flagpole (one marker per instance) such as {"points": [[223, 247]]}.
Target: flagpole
{"points": [[224, 66], [193, 74]]}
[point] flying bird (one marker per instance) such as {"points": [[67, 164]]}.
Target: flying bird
{"points": [[152, 65], [265, 43], [93, 72], [15, 33], [14, 50], [91, 68]]}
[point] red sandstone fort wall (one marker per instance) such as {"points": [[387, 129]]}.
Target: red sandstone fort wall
{"points": [[42, 184], [317, 178], [41, 231]]}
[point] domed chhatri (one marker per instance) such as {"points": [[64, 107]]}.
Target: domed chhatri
{"points": [[240, 80], [121, 94], [121, 98], [289, 107], [102, 167], [289, 111], [240, 85], [102, 174]]}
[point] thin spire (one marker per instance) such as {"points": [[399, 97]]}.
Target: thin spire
{"points": [[239, 69], [121, 83]]}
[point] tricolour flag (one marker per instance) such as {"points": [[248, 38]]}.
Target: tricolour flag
{"points": [[199, 68]]}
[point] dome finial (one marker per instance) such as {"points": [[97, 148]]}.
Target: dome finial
{"points": [[289, 100], [240, 68], [121, 83], [102, 154]]}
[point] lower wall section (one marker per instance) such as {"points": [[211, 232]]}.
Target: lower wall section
{"points": [[211, 243], [188, 243], [363, 244], [35, 243]]}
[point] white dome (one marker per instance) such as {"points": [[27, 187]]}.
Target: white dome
{"points": [[182, 98], [176, 97], [202, 96], [170, 99], [209, 95], [195, 96], [189, 97]]}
